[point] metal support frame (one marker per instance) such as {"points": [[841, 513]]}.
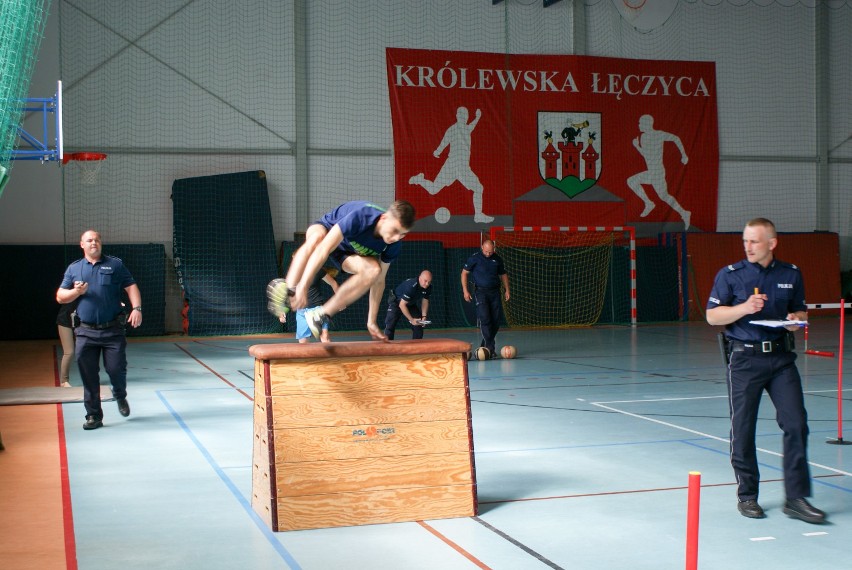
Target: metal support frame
{"points": [[39, 148]]}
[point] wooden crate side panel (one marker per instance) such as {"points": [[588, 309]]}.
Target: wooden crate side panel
{"points": [[317, 375], [263, 501], [262, 398], [261, 484], [371, 440], [370, 407], [351, 509], [372, 474]]}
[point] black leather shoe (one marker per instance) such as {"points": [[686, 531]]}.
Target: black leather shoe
{"points": [[750, 509], [123, 407], [804, 511], [92, 423]]}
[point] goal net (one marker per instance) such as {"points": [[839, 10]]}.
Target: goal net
{"points": [[568, 276]]}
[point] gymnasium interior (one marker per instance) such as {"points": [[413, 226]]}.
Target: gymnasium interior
{"points": [[613, 150]]}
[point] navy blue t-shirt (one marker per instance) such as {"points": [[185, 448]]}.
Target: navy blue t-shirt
{"points": [[781, 282], [410, 291], [485, 271], [107, 278], [357, 221]]}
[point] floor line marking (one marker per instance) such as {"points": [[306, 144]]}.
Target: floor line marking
{"points": [[67, 504], [701, 397], [454, 546], [216, 374], [649, 490], [761, 538], [519, 544], [267, 532], [717, 438]]}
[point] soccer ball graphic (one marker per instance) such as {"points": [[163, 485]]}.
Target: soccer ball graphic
{"points": [[442, 215]]}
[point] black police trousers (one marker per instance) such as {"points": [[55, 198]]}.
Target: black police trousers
{"points": [[489, 311], [90, 347], [749, 374]]}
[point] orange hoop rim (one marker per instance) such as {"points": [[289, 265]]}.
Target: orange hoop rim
{"points": [[83, 156]]}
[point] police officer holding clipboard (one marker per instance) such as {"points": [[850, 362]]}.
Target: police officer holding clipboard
{"points": [[762, 358], [410, 299]]}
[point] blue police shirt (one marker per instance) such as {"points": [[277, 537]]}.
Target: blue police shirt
{"points": [[107, 278], [485, 271], [410, 291], [781, 282], [357, 221]]}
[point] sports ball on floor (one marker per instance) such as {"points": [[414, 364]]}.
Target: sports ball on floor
{"points": [[483, 353], [508, 351]]}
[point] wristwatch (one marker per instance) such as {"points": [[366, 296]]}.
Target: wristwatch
{"points": [[136, 309]]}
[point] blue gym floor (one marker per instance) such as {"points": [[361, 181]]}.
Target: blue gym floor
{"points": [[583, 448]]}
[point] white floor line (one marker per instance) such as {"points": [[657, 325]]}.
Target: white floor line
{"points": [[696, 432]]}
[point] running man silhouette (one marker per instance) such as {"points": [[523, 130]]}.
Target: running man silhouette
{"points": [[457, 165], [650, 145]]}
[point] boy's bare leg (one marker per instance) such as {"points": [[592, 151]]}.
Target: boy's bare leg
{"points": [[313, 237], [364, 272]]}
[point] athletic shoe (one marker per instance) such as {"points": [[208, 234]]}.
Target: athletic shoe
{"points": [[92, 423], [315, 319], [278, 297]]}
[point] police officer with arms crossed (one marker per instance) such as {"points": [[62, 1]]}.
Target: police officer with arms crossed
{"points": [[97, 281], [761, 358], [409, 299], [487, 271]]}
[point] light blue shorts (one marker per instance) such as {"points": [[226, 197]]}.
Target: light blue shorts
{"points": [[302, 330]]}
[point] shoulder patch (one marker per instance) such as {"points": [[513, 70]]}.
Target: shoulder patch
{"points": [[734, 266]]}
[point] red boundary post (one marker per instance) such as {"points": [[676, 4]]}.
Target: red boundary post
{"points": [[692, 512], [840, 374], [839, 440]]}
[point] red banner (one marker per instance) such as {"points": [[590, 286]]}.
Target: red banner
{"points": [[484, 139]]}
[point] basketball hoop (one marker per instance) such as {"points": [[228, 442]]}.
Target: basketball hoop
{"points": [[89, 163]]}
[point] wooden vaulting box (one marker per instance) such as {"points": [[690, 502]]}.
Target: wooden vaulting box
{"points": [[354, 433]]}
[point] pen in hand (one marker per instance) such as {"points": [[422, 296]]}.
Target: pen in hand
{"points": [[758, 301]]}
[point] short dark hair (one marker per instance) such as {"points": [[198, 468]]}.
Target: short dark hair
{"points": [[403, 211], [765, 223]]}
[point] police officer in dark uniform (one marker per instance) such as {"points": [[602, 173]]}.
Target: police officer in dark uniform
{"points": [[762, 358], [409, 299], [97, 281], [487, 271]]}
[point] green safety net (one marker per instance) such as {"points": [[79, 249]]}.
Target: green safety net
{"points": [[21, 30]]}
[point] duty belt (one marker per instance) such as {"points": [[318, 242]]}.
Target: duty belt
{"points": [[765, 346], [100, 326]]}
